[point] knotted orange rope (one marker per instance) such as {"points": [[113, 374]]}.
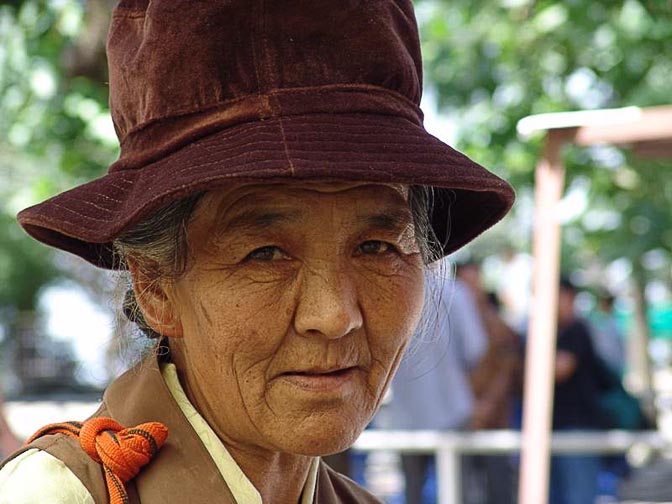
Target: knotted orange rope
{"points": [[121, 451]]}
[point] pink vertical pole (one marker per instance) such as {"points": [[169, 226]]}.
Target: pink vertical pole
{"points": [[540, 353]]}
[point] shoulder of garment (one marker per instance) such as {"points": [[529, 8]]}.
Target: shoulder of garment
{"points": [[335, 488], [36, 477]]}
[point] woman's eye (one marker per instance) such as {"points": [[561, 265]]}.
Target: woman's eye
{"points": [[375, 247], [269, 253]]}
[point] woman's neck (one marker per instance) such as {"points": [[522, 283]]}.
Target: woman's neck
{"points": [[280, 478]]}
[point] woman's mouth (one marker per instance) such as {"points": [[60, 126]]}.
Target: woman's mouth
{"points": [[320, 381]]}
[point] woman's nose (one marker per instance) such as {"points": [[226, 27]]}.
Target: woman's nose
{"points": [[327, 305]]}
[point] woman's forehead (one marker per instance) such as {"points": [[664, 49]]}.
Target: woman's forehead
{"points": [[233, 199], [253, 208]]}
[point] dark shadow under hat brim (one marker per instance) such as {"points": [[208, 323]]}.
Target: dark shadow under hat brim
{"points": [[339, 147]]}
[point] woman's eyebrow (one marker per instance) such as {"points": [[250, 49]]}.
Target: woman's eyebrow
{"points": [[391, 219], [259, 219]]}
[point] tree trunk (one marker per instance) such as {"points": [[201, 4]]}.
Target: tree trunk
{"points": [[87, 57]]}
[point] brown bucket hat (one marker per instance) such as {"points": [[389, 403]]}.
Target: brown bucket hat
{"points": [[203, 93]]}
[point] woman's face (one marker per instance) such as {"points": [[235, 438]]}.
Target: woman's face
{"points": [[295, 309]]}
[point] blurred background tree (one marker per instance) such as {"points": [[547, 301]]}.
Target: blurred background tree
{"points": [[55, 132], [488, 63], [492, 63]]}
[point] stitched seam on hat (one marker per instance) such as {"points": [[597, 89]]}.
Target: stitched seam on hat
{"points": [[129, 15], [361, 123], [276, 109], [266, 59], [98, 207], [307, 90], [105, 196], [284, 143], [217, 147], [339, 128], [255, 62], [46, 218], [260, 162], [218, 150], [369, 163], [272, 148], [279, 92], [59, 221], [119, 187], [222, 147], [127, 182], [364, 129], [221, 150]]}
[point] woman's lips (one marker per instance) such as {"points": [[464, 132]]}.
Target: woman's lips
{"points": [[319, 381]]}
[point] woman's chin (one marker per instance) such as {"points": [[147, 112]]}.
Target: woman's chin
{"points": [[327, 440], [323, 447]]}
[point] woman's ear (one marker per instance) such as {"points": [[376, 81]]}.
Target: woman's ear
{"points": [[156, 305]]}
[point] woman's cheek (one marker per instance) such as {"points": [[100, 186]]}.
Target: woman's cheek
{"points": [[399, 291], [393, 313], [251, 281], [388, 265]]}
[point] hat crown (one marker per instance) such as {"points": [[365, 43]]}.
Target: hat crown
{"points": [[176, 58]]}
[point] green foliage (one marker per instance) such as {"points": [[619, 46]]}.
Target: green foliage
{"points": [[45, 113], [55, 132], [24, 267], [495, 62]]}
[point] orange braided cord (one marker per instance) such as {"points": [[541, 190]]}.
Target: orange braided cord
{"points": [[121, 451]]}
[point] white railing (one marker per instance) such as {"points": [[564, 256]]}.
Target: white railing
{"points": [[449, 446]]}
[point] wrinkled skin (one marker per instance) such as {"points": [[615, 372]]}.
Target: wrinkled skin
{"points": [[292, 316]]}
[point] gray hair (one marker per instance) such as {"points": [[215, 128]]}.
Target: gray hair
{"points": [[159, 243]]}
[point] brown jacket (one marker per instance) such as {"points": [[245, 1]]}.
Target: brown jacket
{"points": [[495, 381], [182, 471]]}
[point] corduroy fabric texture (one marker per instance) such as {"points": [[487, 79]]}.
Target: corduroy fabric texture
{"points": [[205, 93]]}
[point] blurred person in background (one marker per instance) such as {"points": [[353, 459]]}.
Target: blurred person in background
{"points": [[431, 390], [623, 409], [515, 285], [579, 381], [495, 382], [606, 334]]}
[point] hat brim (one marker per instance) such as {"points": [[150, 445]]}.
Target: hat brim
{"points": [[340, 147]]}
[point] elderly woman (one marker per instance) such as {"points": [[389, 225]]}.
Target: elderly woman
{"points": [[275, 202]]}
